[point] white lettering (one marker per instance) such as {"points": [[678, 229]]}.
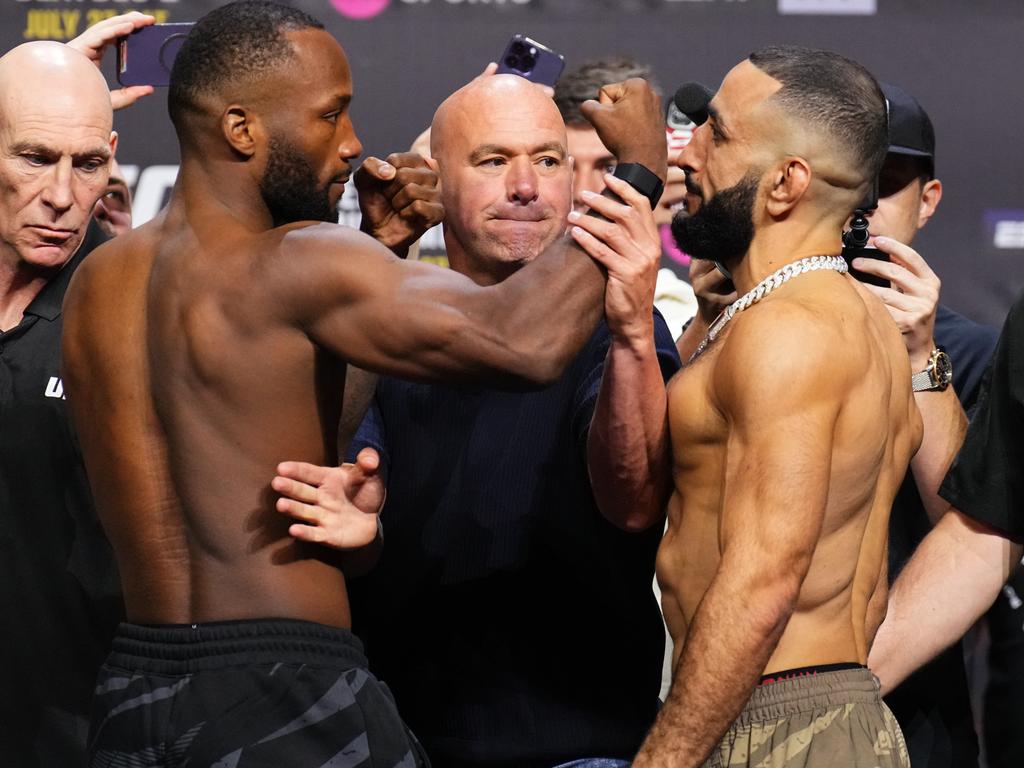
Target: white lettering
{"points": [[1009, 234], [55, 388], [829, 7]]}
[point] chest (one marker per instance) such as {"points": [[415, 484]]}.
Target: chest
{"points": [[696, 423], [30, 365]]}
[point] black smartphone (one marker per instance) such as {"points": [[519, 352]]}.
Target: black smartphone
{"points": [[532, 60], [850, 254], [145, 57]]}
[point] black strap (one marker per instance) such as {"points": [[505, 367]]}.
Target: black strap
{"points": [[642, 179]]}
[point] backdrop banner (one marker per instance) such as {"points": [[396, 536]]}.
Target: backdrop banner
{"points": [[961, 61]]}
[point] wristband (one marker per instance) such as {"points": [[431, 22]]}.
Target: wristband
{"points": [[642, 179]]}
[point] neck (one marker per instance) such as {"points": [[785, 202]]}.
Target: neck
{"points": [[20, 283], [776, 246], [218, 189]]}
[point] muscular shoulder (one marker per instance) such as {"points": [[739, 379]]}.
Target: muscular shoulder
{"points": [[304, 261]]}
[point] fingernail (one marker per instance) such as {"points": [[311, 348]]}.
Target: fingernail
{"points": [[574, 215], [386, 168], [577, 230], [881, 239], [586, 194]]}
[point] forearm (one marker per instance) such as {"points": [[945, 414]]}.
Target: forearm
{"points": [[945, 425], [360, 386], [628, 453], [691, 337], [545, 312], [951, 580], [732, 636]]}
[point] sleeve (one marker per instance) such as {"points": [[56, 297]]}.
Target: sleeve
{"points": [[986, 482], [371, 434], [597, 350]]}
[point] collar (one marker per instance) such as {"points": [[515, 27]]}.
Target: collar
{"points": [[48, 302]]}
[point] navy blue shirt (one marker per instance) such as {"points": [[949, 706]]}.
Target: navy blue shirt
{"points": [[514, 624], [933, 705]]}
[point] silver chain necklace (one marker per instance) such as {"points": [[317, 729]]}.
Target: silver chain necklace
{"points": [[766, 286]]}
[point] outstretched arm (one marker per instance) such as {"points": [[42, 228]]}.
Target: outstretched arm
{"points": [[418, 321], [953, 578], [775, 492], [627, 446]]}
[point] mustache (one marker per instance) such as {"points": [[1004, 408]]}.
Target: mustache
{"points": [[692, 188]]}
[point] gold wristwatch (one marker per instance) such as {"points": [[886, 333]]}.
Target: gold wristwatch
{"points": [[937, 376]]}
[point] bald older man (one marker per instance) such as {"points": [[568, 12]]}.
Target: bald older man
{"points": [[237, 310], [60, 594]]}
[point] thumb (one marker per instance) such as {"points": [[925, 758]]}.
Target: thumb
{"points": [[378, 169]]}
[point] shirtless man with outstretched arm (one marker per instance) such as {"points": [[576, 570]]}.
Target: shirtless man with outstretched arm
{"points": [[210, 344], [791, 431]]}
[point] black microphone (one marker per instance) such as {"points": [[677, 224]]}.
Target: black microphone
{"points": [[692, 100]]}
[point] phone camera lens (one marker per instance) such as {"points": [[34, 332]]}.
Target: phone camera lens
{"points": [[517, 47], [512, 61]]}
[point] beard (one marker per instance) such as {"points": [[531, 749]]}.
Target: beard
{"points": [[290, 188], [723, 228]]}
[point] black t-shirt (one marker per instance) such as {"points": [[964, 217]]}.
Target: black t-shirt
{"points": [[986, 482], [59, 592], [514, 624], [933, 705]]}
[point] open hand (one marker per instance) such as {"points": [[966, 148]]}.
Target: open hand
{"points": [[338, 506]]}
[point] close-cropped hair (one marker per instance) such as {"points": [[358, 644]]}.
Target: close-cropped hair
{"points": [[586, 81], [834, 94], [240, 41]]}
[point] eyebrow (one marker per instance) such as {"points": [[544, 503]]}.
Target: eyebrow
{"points": [[496, 149], [101, 151], [716, 115]]}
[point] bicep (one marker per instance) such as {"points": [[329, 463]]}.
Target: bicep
{"points": [[407, 319]]}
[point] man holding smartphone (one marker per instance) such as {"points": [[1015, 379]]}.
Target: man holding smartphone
{"points": [[933, 705]]}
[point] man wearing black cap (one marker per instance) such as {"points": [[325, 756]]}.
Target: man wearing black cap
{"points": [[933, 706]]}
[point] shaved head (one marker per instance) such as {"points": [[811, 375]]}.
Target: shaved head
{"points": [[55, 78], [56, 146], [486, 98]]}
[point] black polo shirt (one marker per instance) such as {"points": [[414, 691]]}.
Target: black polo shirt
{"points": [[986, 482], [59, 592]]}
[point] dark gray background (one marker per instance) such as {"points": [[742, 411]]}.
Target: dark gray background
{"points": [[962, 61]]}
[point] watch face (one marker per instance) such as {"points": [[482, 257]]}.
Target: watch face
{"points": [[943, 368]]}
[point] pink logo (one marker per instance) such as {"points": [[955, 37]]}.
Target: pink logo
{"points": [[360, 9]]}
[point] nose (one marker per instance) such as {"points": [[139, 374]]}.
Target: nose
{"points": [[57, 191], [689, 157], [522, 181], [349, 148]]}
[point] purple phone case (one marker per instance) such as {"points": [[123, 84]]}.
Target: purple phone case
{"points": [[146, 56], [532, 60]]}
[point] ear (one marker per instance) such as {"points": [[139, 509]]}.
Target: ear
{"points": [[931, 194], [789, 182], [113, 144], [432, 163], [242, 129]]}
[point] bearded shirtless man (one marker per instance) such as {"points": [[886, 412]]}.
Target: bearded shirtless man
{"points": [[791, 430], [206, 346]]}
